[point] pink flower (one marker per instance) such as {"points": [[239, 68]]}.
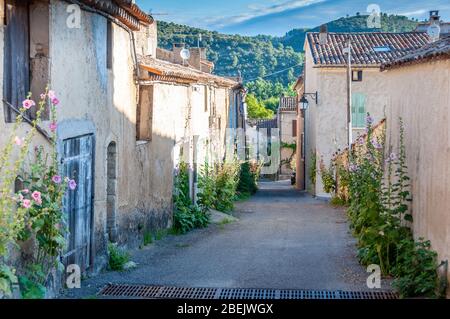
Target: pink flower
{"points": [[20, 197], [52, 126], [37, 197], [27, 104], [72, 184], [18, 141], [25, 191], [26, 203], [43, 96], [57, 179], [51, 94], [55, 101]]}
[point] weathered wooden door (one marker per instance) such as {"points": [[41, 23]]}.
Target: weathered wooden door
{"points": [[77, 162]]}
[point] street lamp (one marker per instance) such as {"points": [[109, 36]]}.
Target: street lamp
{"points": [[304, 103]]}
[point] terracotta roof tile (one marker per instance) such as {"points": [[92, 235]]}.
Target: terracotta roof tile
{"points": [[364, 44], [436, 50], [168, 70]]}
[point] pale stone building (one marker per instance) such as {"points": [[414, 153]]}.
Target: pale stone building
{"points": [[287, 124], [124, 120], [418, 90], [325, 87]]}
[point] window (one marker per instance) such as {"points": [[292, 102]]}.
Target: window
{"points": [[357, 76], [16, 76], [294, 128], [358, 110], [109, 45], [144, 116]]}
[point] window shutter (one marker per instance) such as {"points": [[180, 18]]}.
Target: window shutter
{"points": [[358, 109], [294, 128]]}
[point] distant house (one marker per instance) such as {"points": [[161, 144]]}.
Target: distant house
{"points": [[287, 124], [325, 72], [418, 87], [435, 19]]}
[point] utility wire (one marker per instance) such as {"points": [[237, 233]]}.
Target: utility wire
{"points": [[277, 72]]}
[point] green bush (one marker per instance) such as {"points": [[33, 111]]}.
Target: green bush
{"points": [[247, 180], [118, 257], [416, 269], [226, 182], [187, 215], [328, 180]]}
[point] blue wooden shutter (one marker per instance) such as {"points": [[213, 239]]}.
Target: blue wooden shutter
{"points": [[358, 109]]}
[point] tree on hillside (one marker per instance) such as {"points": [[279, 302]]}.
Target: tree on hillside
{"points": [[256, 110]]}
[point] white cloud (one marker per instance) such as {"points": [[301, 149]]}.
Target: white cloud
{"points": [[414, 13], [260, 11]]}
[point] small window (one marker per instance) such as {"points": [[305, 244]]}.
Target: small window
{"points": [[358, 110], [294, 128], [109, 45], [357, 76]]}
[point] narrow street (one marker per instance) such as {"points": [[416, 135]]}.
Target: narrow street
{"points": [[283, 239]]}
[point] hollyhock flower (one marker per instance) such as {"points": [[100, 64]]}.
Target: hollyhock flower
{"points": [[72, 184], [361, 141], [392, 157], [18, 141], [27, 104], [36, 196], [43, 96], [369, 120], [376, 144], [353, 168], [20, 197], [55, 101], [51, 94], [26, 203], [57, 179], [25, 191], [52, 126]]}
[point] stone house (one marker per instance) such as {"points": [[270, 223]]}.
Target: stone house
{"points": [[418, 90], [287, 123], [325, 87], [125, 118]]}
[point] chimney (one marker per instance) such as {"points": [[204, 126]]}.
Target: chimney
{"points": [[323, 34], [177, 47], [434, 16]]}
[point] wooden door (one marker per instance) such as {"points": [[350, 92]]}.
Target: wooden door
{"points": [[78, 165]]}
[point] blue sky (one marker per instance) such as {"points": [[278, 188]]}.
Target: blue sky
{"points": [[276, 17]]}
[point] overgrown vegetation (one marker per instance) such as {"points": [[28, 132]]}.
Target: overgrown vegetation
{"points": [[379, 216], [34, 214], [313, 168], [187, 215], [327, 175], [248, 178], [118, 257]]}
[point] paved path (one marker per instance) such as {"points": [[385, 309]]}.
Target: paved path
{"points": [[283, 239]]}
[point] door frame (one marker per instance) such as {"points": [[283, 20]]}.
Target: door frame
{"points": [[91, 247]]}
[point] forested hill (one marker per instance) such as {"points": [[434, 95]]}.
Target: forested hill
{"points": [[358, 23], [252, 56], [262, 55]]}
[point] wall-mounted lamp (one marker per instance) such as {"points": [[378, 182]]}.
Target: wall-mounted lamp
{"points": [[304, 103]]}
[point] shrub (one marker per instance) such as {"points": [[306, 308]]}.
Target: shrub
{"points": [[247, 180], [415, 269], [226, 182], [148, 238], [327, 175], [313, 169], [118, 257], [187, 215]]}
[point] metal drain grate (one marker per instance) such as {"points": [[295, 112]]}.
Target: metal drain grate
{"points": [[162, 292]]}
